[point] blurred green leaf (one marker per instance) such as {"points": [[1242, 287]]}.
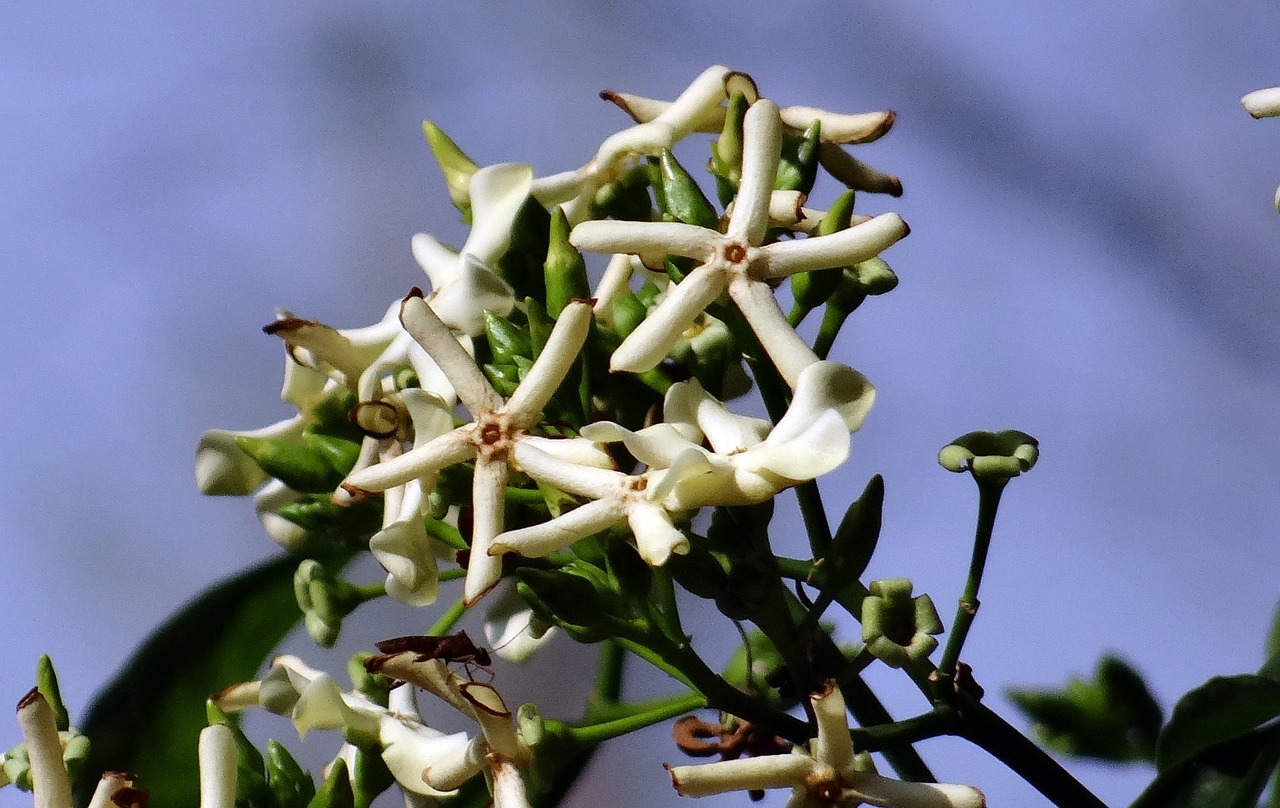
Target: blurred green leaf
{"points": [[147, 720], [1229, 775], [1223, 708]]}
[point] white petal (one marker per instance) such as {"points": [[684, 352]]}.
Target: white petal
{"points": [[438, 261], [217, 767], [508, 787], [419, 462], [320, 706], [688, 402], [408, 748], [887, 791], [790, 354], [762, 143], [652, 241], [431, 416], [766, 771], [690, 462], [461, 303], [614, 285], [267, 502], [1263, 103], [222, 467], [654, 338], [497, 193], [837, 127], [303, 387], [656, 446], [435, 337], [404, 551], [822, 386], [563, 348], [857, 243], [488, 499], [833, 746], [538, 540], [656, 537], [704, 94], [642, 139], [459, 764], [578, 451], [815, 450], [507, 622], [584, 481]]}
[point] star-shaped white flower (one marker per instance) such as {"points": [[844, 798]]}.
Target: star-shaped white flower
{"points": [[736, 261], [497, 427], [463, 284], [826, 777], [574, 190], [640, 501]]}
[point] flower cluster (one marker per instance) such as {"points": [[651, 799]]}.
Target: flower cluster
{"points": [[535, 428]]}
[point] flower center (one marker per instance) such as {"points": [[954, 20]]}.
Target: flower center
{"points": [[735, 253], [494, 436]]}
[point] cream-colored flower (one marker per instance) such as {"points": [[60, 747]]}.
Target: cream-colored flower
{"points": [[497, 427], [827, 776], [735, 261]]}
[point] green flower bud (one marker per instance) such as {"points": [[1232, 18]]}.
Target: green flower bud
{"points": [[812, 289], [850, 551], [521, 265], [47, 684], [290, 784], [798, 165], [991, 455], [565, 270], [726, 152], [332, 415], [504, 378], [683, 200], [628, 312], [370, 776], [456, 166], [324, 600], [625, 200], [301, 468], [335, 792], [340, 453], [506, 339], [897, 628]]}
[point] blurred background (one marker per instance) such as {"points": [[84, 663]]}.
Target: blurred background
{"points": [[1093, 260]]}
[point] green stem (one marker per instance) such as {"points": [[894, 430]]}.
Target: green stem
{"points": [[832, 320], [449, 619], [594, 734], [941, 720], [982, 727], [608, 683], [814, 516], [667, 611], [989, 492], [869, 711], [363, 593]]}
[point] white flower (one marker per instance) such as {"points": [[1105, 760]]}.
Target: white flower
{"points": [[638, 500], [574, 190], [49, 781], [735, 261], [1264, 104], [827, 776], [508, 626], [498, 426], [217, 767], [463, 285], [402, 546]]}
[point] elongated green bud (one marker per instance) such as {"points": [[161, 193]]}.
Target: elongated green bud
{"points": [[336, 790], [506, 339], [812, 289], [47, 684], [726, 153], [291, 785], [340, 453], [565, 270], [684, 200], [798, 166], [456, 166], [297, 466]]}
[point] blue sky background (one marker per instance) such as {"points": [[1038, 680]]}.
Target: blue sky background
{"points": [[1093, 260]]}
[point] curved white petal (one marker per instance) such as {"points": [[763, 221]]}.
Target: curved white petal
{"points": [[497, 193], [404, 550], [408, 748], [822, 386], [458, 764], [579, 451], [462, 302], [584, 481], [563, 348], [816, 450], [766, 771], [657, 333], [267, 502], [788, 351], [420, 462], [656, 537], [858, 243], [222, 467], [878, 790], [728, 432], [762, 144], [438, 261], [656, 446], [507, 626], [538, 540]]}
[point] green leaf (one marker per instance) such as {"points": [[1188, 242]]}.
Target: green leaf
{"points": [[147, 720], [1223, 708], [1229, 775]]}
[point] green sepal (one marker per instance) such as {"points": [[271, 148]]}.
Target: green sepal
{"points": [[301, 468], [370, 776], [567, 600], [456, 166], [521, 265], [1223, 708], [798, 164], [291, 784], [700, 572], [335, 792], [1113, 717], [812, 289], [317, 513], [625, 200], [47, 684], [506, 339], [683, 200], [565, 271], [991, 455], [726, 152], [846, 558], [340, 453], [628, 312], [504, 378], [540, 325]]}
